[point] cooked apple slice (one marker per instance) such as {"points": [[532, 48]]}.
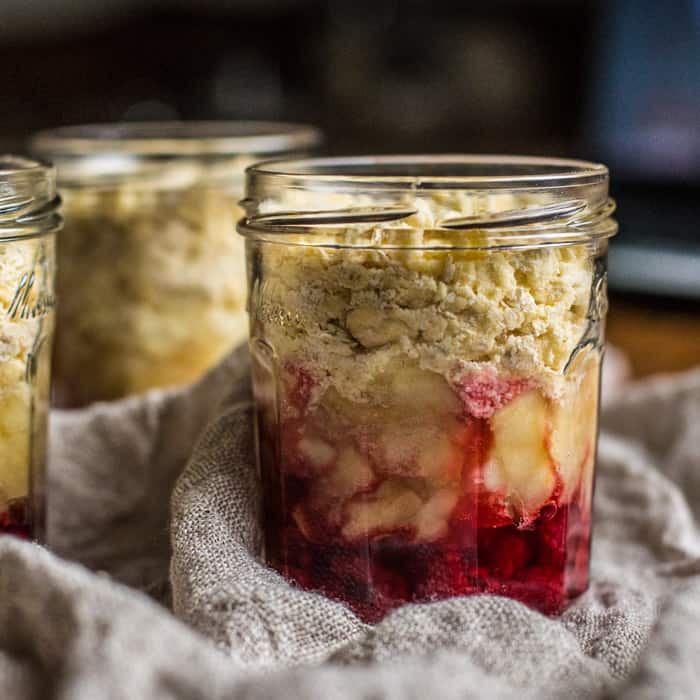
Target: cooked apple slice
{"points": [[398, 445], [350, 473], [431, 520], [423, 451], [399, 395], [520, 467], [415, 391], [316, 452], [393, 505], [574, 420], [440, 458]]}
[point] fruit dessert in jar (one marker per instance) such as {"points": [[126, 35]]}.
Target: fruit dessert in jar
{"points": [[28, 222], [151, 274], [426, 337]]}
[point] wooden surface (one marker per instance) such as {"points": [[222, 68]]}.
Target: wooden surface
{"points": [[655, 338]]}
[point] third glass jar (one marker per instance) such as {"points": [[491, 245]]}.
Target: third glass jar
{"points": [[426, 336], [151, 275]]}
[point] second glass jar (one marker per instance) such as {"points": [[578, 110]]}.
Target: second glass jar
{"points": [[29, 221], [426, 336], [151, 275]]}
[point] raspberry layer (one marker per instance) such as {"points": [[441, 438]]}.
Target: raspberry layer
{"points": [[543, 566], [478, 485], [15, 520]]}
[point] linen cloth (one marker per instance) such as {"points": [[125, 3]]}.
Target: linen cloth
{"points": [[153, 499]]}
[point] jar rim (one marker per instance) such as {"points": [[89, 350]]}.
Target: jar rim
{"points": [[11, 165], [28, 200], [558, 201], [176, 138], [430, 172]]}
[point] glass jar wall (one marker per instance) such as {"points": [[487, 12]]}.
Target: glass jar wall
{"points": [[151, 274], [28, 223], [426, 336]]}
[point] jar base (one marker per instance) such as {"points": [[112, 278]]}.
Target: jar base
{"points": [[544, 566]]}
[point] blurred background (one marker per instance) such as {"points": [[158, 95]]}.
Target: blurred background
{"points": [[615, 81]]}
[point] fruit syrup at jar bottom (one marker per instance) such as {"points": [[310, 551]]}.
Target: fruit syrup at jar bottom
{"points": [[16, 520], [543, 566]]}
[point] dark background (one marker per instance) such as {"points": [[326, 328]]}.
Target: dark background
{"points": [[615, 81], [374, 74]]}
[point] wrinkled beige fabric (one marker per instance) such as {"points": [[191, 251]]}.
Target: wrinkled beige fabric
{"points": [[66, 632]]}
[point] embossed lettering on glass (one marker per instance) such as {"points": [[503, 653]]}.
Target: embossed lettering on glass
{"points": [[29, 220]]}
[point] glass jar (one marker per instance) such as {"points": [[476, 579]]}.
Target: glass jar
{"points": [[28, 222], [151, 275], [426, 337]]}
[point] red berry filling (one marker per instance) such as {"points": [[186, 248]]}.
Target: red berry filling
{"points": [[483, 393], [378, 505], [15, 520]]}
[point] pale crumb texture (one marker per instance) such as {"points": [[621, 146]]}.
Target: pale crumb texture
{"points": [[17, 337], [152, 288], [352, 315]]}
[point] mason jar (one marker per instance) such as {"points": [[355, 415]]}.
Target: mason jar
{"points": [[151, 275], [426, 337], [29, 220]]}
